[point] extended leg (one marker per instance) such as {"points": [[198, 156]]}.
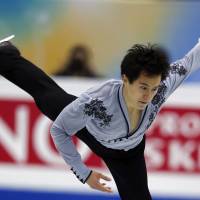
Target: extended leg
{"points": [[49, 97]]}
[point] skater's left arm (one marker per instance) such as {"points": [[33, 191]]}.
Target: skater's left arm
{"points": [[182, 68]]}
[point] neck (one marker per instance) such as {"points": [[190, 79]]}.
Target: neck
{"points": [[131, 108]]}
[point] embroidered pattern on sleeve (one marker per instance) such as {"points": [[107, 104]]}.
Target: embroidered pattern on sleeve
{"points": [[177, 68], [157, 101], [97, 110]]}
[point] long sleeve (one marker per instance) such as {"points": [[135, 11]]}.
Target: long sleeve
{"points": [[182, 68], [69, 121], [67, 150]]}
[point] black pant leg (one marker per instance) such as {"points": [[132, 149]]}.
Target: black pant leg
{"points": [[49, 97], [130, 176], [127, 168]]}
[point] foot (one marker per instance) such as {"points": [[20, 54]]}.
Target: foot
{"points": [[8, 48]]}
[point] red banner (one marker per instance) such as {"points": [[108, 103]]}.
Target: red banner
{"points": [[25, 137], [173, 143], [174, 140]]}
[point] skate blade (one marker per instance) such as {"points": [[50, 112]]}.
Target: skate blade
{"points": [[7, 38]]}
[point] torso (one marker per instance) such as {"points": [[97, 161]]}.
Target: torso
{"points": [[134, 118]]}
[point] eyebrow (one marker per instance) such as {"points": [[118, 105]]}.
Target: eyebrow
{"points": [[148, 85]]}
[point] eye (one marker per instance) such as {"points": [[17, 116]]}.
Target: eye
{"points": [[155, 89], [143, 88]]}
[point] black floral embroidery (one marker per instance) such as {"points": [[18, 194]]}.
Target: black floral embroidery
{"points": [[157, 101], [177, 68], [159, 97], [97, 110], [115, 140]]}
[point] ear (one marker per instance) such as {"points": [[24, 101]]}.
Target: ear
{"points": [[124, 78]]}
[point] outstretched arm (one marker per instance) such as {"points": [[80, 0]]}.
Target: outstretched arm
{"points": [[182, 68]]}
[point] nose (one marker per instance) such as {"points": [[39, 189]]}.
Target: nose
{"points": [[147, 96], [145, 99]]}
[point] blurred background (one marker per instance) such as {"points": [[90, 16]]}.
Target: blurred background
{"points": [[81, 43]]}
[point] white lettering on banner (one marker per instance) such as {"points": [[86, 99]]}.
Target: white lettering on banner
{"points": [[41, 142], [153, 153], [16, 142], [166, 123], [180, 155], [173, 125], [172, 155], [190, 126], [169, 123], [43, 147]]}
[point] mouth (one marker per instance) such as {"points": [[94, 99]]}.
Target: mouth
{"points": [[142, 102]]}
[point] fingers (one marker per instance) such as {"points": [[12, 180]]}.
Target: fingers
{"points": [[102, 187], [106, 178], [94, 182], [108, 188]]}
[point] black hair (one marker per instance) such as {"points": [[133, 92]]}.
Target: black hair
{"points": [[150, 59]]}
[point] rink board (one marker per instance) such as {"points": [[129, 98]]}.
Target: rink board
{"points": [[35, 179]]}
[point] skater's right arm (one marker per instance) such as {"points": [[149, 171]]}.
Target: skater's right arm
{"points": [[67, 150], [69, 121]]}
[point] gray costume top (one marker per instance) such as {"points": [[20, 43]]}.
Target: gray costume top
{"points": [[102, 110]]}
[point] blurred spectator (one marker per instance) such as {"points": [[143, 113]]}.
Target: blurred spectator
{"points": [[78, 64]]}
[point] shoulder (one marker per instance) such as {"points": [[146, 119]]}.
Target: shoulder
{"points": [[105, 89]]}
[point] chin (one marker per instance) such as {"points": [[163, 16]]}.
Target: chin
{"points": [[142, 106]]}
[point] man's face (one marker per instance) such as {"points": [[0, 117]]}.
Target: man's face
{"points": [[141, 91]]}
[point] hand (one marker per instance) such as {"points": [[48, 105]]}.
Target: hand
{"points": [[94, 182]]}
